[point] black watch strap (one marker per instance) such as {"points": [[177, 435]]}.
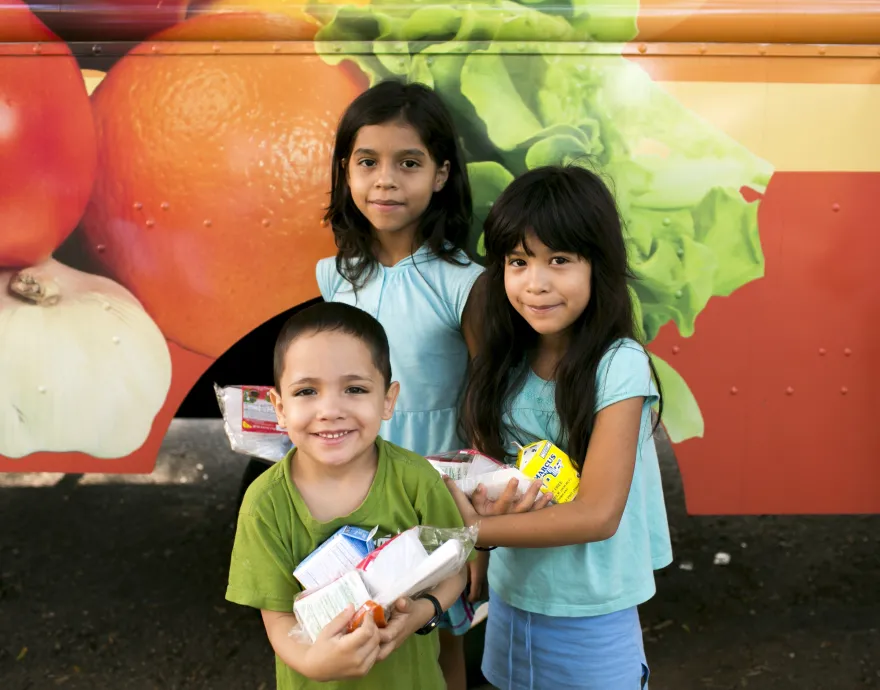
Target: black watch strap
{"points": [[435, 619]]}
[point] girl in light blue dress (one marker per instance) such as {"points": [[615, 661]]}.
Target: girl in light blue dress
{"points": [[400, 210], [557, 358]]}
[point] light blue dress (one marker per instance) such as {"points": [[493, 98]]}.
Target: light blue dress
{"points": [[419, 301], [578, 604]]}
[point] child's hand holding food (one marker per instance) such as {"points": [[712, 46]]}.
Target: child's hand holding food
{"points": [[339, 655]]}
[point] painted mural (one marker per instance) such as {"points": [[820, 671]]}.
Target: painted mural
{"points": [[163, 197]]}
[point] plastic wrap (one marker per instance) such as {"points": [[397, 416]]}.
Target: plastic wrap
{"points": [[403, 565], [250, 423], [470, 468]]}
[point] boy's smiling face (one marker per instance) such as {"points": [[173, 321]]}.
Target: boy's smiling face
{"points": [[332, 399]]}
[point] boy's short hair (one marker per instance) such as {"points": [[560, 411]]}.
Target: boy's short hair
{"points": [[334, 316]]}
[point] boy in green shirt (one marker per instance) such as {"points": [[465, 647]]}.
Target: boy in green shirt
{"points": [[333, 388]]}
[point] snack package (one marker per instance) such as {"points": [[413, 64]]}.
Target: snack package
{"points": [[250, 423], [340, 553], [545, 461], [404, 565], [470, 468]]}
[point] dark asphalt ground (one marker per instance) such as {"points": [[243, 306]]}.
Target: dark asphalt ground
{"points": [[111, 583]]}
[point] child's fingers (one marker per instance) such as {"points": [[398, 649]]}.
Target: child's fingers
{"points": [[529, 498], [507, 499], [339, 624], [543, 501]]}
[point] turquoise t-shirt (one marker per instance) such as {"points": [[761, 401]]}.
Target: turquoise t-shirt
{"points": [[600, 577], [419, 301]]}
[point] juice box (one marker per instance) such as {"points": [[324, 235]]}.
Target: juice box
{"points": [[543, 460]]}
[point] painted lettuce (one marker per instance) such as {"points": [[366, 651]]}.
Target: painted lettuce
{"points": [[525, 90]]}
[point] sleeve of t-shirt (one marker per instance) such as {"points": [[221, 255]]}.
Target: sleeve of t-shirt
{"points": [[437, 508], [261, 569], [462, 289], [624, 372], [325, 273], [456, 283]]}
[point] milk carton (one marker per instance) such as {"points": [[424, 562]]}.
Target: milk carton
{"points": [[543, 460]]}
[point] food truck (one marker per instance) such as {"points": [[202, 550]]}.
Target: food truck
{"points": [[165, 168]]}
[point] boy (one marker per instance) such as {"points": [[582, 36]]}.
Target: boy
{"points": [[332, 390]]}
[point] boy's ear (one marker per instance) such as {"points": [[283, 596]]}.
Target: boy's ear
{"points": [[441, 177], [275, 399], [390, 400]]}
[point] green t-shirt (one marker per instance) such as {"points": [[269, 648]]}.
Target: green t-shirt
{"points": [[276, 531]]}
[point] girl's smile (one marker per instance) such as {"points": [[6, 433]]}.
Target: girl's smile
{"points": [[549, 289]]}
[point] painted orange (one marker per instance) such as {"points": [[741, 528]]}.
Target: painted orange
{"points": [[224, 158], [47, 143], [282, 7], [785, 368]]}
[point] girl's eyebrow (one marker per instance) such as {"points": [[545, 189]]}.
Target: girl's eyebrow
{"points": [[415, 153]]}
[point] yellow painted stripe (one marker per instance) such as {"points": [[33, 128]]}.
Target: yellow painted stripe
{"points": [[796, 127]]}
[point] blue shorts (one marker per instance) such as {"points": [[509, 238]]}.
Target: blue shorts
{"points": [[458, 618], [529, 651]]}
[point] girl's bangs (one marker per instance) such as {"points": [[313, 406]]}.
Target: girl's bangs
{"points": [[560, 224]]}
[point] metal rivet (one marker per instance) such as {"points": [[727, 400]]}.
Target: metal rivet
{"points": [[676, 349], [276, 48], [847, 352], [106, 306], [38, 49], [42, 389], [835, 207], [207, 222], [101, 248], [822, 352], [734, 390], [821, 50], [643, 48], [216, 47], [789, 391], [96, 49], [154, 48], [165, 205], [115, 340], [138, 205], [844, 390], [150, 222]]}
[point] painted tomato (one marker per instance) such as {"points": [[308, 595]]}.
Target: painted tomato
{"points": [[47, 140]]}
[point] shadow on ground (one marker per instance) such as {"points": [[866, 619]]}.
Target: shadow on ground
{"points": [[110, 583]]}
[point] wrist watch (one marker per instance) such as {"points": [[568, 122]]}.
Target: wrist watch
{"points": [[435, 619]]}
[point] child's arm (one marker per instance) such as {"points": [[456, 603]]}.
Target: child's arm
{"points": [[412, 614], [335, 655], [595, 513]]}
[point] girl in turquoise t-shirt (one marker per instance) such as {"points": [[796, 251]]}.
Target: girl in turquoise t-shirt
{"points": [[557, 359], [400, 210]]}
